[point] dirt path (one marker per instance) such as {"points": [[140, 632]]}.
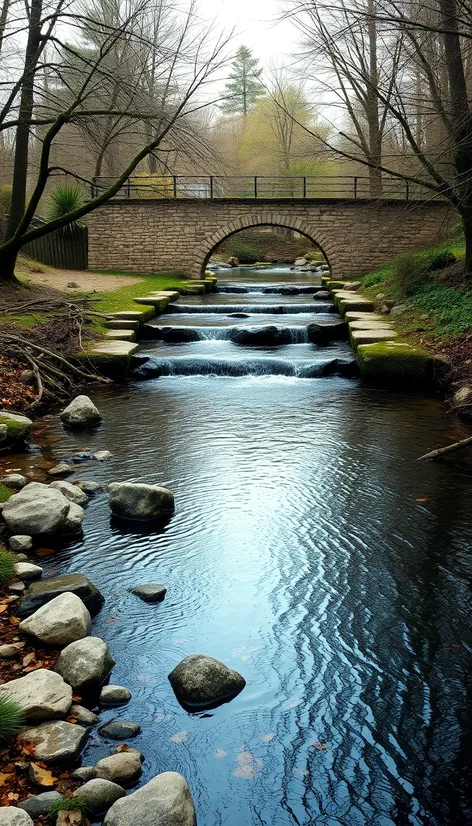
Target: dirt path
{"points": [[87, 281]]}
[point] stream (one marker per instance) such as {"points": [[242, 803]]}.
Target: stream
{"points": [[309, 550]]}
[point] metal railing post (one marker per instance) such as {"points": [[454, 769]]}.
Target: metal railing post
{"points": [[407, 190], [128, 188], [304, 186], [174, 182], [255, 186], [355, 186], [211, 186]]}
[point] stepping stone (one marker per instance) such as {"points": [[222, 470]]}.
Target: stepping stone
{"points": [[150, 593], [120, 729], [114, 694], [159, 302], [353, 315], [135, 315], [84, 716], [115, 348], [121, 335], [358, 337], [39, 593], [123, 324]]}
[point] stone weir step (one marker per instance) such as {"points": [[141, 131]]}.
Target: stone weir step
{"points": [[250, 309]]}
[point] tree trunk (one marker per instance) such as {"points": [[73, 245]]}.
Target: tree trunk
{"points": [[466, 215], [7, 265]]}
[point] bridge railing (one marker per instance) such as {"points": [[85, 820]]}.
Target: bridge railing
{"points": [[209, 187]]}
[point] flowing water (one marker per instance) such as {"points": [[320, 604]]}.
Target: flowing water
{"points": [[310, 551]]}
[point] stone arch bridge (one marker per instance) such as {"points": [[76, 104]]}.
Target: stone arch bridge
{"points": [[179, 235]]}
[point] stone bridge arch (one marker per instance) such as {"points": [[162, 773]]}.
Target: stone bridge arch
{"points": [[178, 235], [279, 219]]}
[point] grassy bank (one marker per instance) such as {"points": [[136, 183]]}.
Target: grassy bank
{"points": [[122, 298]]}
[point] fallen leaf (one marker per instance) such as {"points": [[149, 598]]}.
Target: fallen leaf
{"points": [[29, 658], [42, 776], [180, 737], [423, 499], [5, 778]]}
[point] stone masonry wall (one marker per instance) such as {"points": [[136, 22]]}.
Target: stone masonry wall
{"points": [[179, 236]]}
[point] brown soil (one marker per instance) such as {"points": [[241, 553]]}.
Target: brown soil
{"points": [[41, 275]]}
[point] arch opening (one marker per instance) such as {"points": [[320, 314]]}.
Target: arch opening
{"points": [[268, 241]]}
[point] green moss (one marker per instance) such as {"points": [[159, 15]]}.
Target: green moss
{"points": [[7, 567], [395, 364], [122, 298], [26, 322], [67, 804], [19, 428], [5, 493]]}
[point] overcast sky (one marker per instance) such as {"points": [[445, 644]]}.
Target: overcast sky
{"points": [[255, 22]]}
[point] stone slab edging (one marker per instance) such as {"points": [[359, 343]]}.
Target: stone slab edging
{"points": [[381, 358]]}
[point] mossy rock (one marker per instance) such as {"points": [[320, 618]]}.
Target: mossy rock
{"points": [[345, 304], [111, 358], [360, 337], [123, 324], [335, 285], [194, 288], [158, 302], [395, 364], [18, 428], [142, 315]]}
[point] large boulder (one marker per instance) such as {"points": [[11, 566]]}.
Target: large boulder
{"points": [[41, 695], [99, 795], [37, 509], [61, 621], [164, 801], [121, 768], [202, 682], [11, 816], [268, 336], [71, 492], [39, 593], [85, 664], [81, 412], [18, 427], [55, 743], [323, 332], [136, 500]]}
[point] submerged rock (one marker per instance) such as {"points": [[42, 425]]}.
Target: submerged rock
{"points": [[201, 682], [81, 412], [85, 664], [268, 336], [164, 801], [60, 621], [179, 335], [136, 500], [323, 332], [41, 695], [55, 743], [83, 715], [39, 593], [36, 509], [150, 593], [88, 487], [120, 729], [62, 469], [114, 695]]}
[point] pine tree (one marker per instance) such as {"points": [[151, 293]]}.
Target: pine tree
{"points": [[244, 86]]}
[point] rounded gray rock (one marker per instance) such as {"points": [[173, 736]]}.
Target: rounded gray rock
{"points": [[99, 795], [15, 481], [27, 571], [71, 492], [39, 804], [61, 621], [122, 768], [21, 543], [136, 500], [150, 593], [83, 715], [202, 682], [114, 694], [41, 695], [39, 593], [85, 664], [11, 816], [120, 729], [55, 743], [165, 800], [84, 774], [81, 412], [37, 509]]}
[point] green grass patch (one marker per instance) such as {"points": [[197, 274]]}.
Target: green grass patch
{"points": [[5, 493], [67, 804], [25, 321], [122, 299], [7, 567], [435, 309], [11, 719]]}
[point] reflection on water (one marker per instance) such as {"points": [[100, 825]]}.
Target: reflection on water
{"points": [[311, 552]]}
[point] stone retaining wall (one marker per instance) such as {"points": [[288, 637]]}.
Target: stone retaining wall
{"points": [[180, 235]]}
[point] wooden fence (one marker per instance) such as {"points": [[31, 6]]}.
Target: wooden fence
{"points": [[64, 248]]}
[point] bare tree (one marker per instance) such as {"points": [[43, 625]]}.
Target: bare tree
{"points": [[184, 62], [431, 49]]}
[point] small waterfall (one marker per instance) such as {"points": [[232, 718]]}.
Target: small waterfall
{"points": [[182, 335], [234, 367], [250, 309]]}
